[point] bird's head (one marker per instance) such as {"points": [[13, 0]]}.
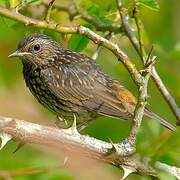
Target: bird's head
{"points": [[37, 49]]}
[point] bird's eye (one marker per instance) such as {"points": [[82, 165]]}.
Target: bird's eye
{"points": [[36, 47]]}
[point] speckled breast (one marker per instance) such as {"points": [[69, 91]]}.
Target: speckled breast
{"points": [[64, 109]]}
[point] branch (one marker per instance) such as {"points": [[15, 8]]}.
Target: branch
{"points": [[99, 48], [140, 38], [71, 140], [139, 111], [27, 21], [48, 11], [138, 45], [173, 170], [73, 11]]}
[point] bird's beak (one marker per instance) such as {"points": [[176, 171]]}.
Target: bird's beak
{"points": [[18, 53]]}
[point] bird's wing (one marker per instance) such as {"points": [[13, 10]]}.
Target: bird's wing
{"points": [[87, 86]]}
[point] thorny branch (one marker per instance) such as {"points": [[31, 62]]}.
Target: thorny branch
{"points": [[70, 139]]}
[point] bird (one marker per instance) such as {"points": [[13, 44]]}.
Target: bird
{"points": [[71, 84]]}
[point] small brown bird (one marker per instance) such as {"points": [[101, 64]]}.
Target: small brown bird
{"points": [[69, 83]]}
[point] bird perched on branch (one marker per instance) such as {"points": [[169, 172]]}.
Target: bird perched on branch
{"points": [[69, 83]]}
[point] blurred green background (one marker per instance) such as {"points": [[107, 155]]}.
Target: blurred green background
{"points": [[162, 29]]}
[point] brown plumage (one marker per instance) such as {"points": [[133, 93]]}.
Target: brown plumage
{"points": [[69, 83]]}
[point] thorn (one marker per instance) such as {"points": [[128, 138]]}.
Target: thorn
{"points": [[5, 138], [61, 123], [154, 59], [74, 122], [113, 145], [149, 54], [127, 171], [140, 88], [65, 160], [20, 145], [114, 149], [73, 128]]}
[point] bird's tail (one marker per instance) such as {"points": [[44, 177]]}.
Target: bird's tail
{"points": [[161, 120]]}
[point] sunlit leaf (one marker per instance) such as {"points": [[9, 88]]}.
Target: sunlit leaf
{"points": [[105, 6], [5, 2], [105, 21], [14, 3], [31, 1], [77, 42], [94, 11], [2, 1], [151, 4]]}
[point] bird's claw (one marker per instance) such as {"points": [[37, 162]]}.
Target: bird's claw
{"points": [[61, 123]]}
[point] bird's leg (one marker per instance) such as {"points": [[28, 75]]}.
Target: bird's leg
{"points": [[61, 122], [93, 117], [83, 125]]}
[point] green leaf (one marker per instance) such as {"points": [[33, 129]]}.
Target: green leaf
{"points": [[94, 11], [78, 42], [31, 1], [4, 2], [104, 21], [151, 4]]}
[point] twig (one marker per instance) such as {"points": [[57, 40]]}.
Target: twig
{"points": [[142, 101], [71, 140], [175, 171], [126, 26], [48, 11], [70, 10], [139, 27], [167, 96], [99, 48], [156, 78]]}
